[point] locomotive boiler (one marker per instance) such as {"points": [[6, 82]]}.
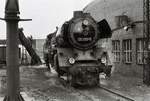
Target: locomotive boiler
{"points": [[78, 55]]}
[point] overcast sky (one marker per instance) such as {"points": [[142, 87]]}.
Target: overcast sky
{"points": [[45, 15]]}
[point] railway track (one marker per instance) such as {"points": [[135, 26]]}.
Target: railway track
{"points": [[98, 93], [117, 94], [110, 95]]}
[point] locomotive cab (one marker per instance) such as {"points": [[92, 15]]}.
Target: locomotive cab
{"points": [[77, 52]]}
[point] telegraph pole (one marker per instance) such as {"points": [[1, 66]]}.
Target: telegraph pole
{"points": [[12, 51], [146, 31]]}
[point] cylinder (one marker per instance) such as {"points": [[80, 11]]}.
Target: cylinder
{"points": [[12, 57]]}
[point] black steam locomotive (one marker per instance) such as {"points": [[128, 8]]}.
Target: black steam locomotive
{"points": [[78, 56]]}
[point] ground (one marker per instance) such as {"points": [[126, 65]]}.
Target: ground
{"points": [[38, 84], [129, 86]]}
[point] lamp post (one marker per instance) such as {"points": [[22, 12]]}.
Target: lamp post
{"points": [[12, 51]]}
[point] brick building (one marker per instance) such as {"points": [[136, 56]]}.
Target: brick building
{"points": [[126, 47]]}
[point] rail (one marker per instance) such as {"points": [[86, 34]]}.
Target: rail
{"points": [[113, 92]]}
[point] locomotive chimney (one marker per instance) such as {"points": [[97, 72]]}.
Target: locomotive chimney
{"points": [[78, 14]]}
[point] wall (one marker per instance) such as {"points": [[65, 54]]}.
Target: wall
{"points": [[39, 47], [108, 9]]}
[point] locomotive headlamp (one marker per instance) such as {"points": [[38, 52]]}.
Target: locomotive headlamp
{"points": [[71, 60], [103, 60], [53, 45], [85, 22]]}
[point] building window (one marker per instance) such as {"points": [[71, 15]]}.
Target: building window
{"points": [[127, 51], [141, 51], [116, 50]]}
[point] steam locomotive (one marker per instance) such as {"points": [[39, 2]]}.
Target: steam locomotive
{"points": [[78, 55]]}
